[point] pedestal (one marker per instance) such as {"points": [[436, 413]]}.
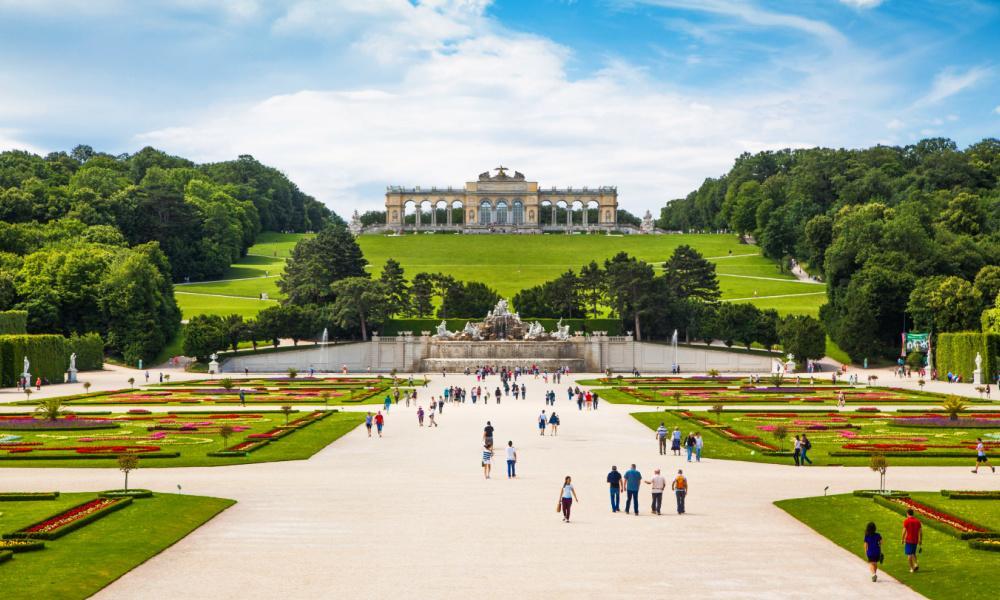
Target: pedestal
{"points": [[977, 377], [71, 376], [213, 367], [27, 379]]}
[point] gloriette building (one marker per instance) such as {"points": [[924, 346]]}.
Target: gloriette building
{"points": [[501, 202]]}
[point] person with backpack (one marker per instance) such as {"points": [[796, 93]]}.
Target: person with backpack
{"points": [[554, 423], [542, 421], [873, 549], [804, 454], [680, 488]]}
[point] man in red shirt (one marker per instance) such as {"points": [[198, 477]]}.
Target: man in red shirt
{"points": [[913, 537]]}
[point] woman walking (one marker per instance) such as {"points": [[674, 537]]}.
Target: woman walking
{"points": [[689, 443], [420, 416], [554, 423], [487, 460], [566, 497], [368, 423], [873, 549]]}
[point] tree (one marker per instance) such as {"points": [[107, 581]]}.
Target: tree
{"points": [[987, 283], [225, 432], [234, 330], [359, 300], [691, 275], [717, 409], [880, 465], [204, 335], [422, 294], [953, 405], [275, 322], [318, 262], [397, 290], [766, 328], [780, 432], [592, 287], [226, 383], [819, 235], [50, 409], [287, 410], [629, 287], [468, 299], [945, 304], [126, 463], [802, 336]]}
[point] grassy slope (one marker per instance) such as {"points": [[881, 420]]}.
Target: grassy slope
{"points": [[948, 567], [84, 561], [298, 446]]}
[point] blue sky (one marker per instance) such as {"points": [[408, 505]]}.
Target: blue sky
{"points": [[347, 96]]}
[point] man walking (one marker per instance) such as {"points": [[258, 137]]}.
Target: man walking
{"points": [[633, 479], [615, 483], [542, 420], [488, 435], [680, 487], [981, 458], [913, 538], [511, 460], [658, 483], [661, 436]]}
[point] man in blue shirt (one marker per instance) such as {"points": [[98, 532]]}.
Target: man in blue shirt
{"points": [[615, 483], [633, 479]]}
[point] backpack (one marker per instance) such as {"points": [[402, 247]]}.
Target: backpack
{"points": [[808, 445]]}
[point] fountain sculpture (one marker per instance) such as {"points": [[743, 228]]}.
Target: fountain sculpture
{"points": [[502, 324]]}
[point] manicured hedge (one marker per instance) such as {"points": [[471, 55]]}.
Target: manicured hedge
{"points": [[22, 496], [5, 555], [394, 326], [956, 353], [47, 354], [89, 349], [13, 322], [880, 493], [971, 494]]}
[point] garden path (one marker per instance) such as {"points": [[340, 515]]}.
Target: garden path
{"points": [[410, 515]]}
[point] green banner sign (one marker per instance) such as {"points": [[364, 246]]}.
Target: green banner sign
{"points": [[916, 341]]}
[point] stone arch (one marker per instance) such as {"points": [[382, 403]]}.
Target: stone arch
{"points": [[546, 213], [426, 212], [456, 208], [576, 213], [440, 214], [592, 212], [562, 213], [409, 212]]}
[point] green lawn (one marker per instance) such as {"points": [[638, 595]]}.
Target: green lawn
{"points": [[509, 263], [194, 447], [80, 563], [948, 567]]}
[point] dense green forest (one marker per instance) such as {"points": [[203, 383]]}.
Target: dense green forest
{"points": [[91, 242], [906, 237]]}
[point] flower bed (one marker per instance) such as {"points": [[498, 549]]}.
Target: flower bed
{"points": [[64, 424], [938, 519], [988, 544], [946, 423], [880, 493], [21, 545], [71, 519]]}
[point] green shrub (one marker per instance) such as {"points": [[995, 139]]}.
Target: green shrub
{"points": [[22, 496], [13, 322], [956, 353], [89, 349], [47, 353]]}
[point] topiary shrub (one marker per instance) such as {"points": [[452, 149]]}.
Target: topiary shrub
{"points": [[47, 354], [13, 322], [89, 349]]}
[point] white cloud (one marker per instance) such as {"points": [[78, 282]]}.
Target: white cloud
{"points": [[9, 141], [895, 124], [997, 109], [492, 95], [862, 3], [951, 81], [754, 15]]}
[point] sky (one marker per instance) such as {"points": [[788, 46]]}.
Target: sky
{"points": [[349, 96]]}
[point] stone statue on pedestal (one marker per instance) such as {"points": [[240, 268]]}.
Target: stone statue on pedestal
{"points": [[213, 367], [977, 375], [71, 372], [647, 223], [355, 226], [442, 331]]}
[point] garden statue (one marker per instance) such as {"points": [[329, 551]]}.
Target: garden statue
{"points": [[71, 372], [977, 375], [647, 223], [442, 331], [472, 331], [213, 367], [562, 331], [535, 331], [355, 226], [72, 361], [27, 365]]}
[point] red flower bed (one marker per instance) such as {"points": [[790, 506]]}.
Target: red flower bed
{"points": [[70, 516], [886, 447], [940, 516]]}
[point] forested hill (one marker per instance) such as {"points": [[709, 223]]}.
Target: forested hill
{"points": [[91, 242], [203, 216], [877, 224]]}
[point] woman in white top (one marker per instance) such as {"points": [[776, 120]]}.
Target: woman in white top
{"points": [[566, 497]]}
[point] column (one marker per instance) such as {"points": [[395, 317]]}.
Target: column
{"points": [[416, 220], [434, 215], [450, 209], [585, 210]]}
